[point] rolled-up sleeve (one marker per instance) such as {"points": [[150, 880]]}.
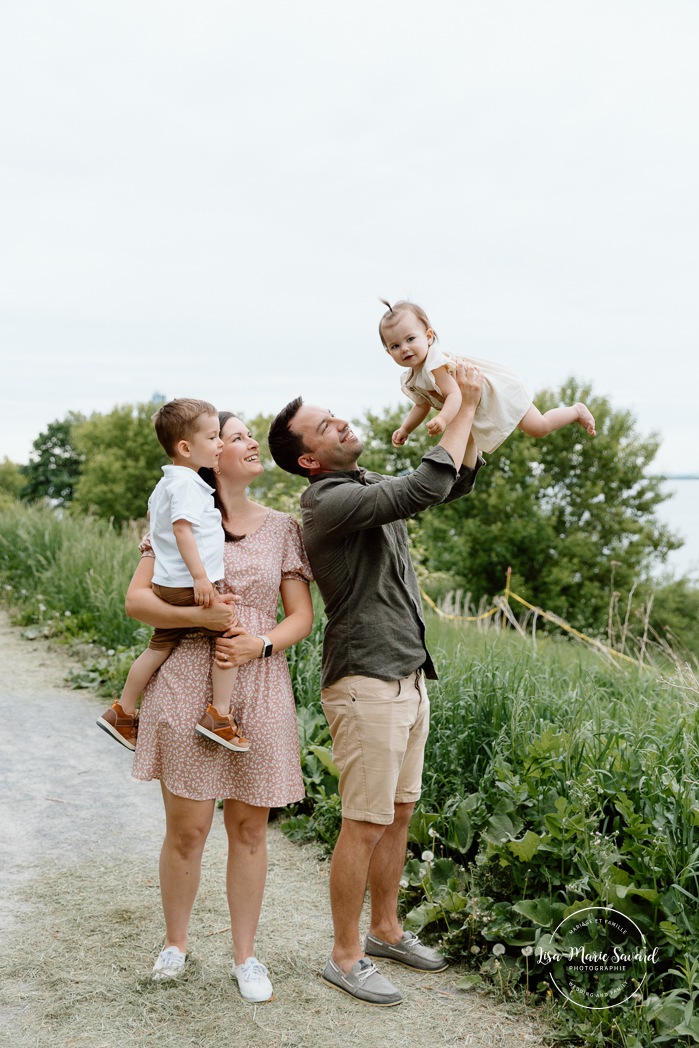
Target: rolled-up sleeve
{"points": [[357, 507], [465, 481]]}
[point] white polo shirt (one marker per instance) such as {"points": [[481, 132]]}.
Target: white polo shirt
{"points": [[183, 495]]}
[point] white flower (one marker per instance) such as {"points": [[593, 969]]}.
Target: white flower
{"points": [[432, 832], [8, 588], [498, 949], [527, 951], [110, 651], [42, 607], [427, 856], [67, 614], [475, 949], [403, 882]]}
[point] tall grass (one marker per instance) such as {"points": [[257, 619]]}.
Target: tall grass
{"points": [[553, 781], [68, 575]]}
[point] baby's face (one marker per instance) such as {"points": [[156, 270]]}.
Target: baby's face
{"points": [[408, 340]]}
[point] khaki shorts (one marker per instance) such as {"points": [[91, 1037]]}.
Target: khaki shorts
{"points": [[181, 596], [379, 730]]}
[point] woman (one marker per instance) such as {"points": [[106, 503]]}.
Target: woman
{"points": [[264, 558]]}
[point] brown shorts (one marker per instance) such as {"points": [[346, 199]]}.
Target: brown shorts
{"points": [[379, 730], [182, 596]]}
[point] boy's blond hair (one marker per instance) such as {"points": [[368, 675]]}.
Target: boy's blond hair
{"points": [[179, 420], [392, 316]]}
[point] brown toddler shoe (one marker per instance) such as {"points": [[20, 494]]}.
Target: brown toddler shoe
{"points": [[121, 726], [222, 730]]}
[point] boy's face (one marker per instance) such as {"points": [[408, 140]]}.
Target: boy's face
{"points": [[204, 447], [408, 340]]}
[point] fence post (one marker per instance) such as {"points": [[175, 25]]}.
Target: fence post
{"points": [[507, 598]]}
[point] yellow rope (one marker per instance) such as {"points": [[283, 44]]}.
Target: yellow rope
{"points": [[539, 611], [461, 618], [564, 626]]}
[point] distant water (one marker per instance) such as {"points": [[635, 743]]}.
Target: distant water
{"points": [[681, 512]]}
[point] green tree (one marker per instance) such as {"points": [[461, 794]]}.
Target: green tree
{"points": [[674, 614], [122, 463], [54, 464], [11, 479], [569, 514]]}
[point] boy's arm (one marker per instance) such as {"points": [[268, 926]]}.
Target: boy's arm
{"points": [[417, 414], [449, 388], [204, 592]]}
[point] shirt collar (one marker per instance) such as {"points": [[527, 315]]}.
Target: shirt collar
{"points": [[351, 474], [174, 470]]}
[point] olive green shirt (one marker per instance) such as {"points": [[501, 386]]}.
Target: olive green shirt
{"points": [[357, 542]]}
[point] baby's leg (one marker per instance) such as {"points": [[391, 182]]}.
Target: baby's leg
{"points": [[534, 424], [140, 673]]}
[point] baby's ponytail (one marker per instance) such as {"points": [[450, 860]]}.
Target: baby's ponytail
{"points": [[392, 314]]}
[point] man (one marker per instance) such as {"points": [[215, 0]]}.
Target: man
{"points": [[374, 661]]}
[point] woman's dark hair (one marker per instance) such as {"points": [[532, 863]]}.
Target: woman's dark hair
{"points": [[209, 477]]}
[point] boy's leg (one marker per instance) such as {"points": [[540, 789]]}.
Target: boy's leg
{"points": [[142, 669], [222, 684], [534, 424], [121, 720], [217, 723]]}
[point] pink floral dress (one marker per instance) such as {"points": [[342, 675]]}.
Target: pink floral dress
{"points": [[169, 749]]}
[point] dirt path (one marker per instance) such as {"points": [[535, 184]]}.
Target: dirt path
{"points": [[80, 911]]}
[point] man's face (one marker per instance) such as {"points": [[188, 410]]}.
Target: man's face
{"points": [[330, 441]]}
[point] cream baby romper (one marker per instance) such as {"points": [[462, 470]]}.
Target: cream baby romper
{"points": [[505, 396]]}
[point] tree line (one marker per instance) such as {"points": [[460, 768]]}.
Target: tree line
{"points": [[575, 518]]}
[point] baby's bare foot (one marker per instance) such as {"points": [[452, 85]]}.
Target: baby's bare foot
{"points": [[585, 418]]}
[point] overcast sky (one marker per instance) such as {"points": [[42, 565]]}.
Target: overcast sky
{"points": [[208, 198]]}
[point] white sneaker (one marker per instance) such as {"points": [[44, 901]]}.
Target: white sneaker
{"points": [[252, 981], [169, 964]]}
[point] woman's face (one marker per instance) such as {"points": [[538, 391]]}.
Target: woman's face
{"points": [[240, 455]]}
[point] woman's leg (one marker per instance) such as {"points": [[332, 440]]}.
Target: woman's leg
{"points": [[246, 827], [187, 827]]}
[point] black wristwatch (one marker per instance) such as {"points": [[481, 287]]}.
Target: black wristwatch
{"points": [[267, 648]]}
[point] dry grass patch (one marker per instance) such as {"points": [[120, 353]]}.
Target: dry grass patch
{"points": [[76, 965]]}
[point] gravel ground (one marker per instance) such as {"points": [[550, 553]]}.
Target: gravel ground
{"points": [[80, 911]]}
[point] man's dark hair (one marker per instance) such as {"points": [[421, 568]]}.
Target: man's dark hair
{"points": [[286, 446]]}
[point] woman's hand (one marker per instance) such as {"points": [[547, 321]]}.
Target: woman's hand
{"points": [[237, 648]]}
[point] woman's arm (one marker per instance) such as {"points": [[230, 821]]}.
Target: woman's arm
{"points": [[142, 604], [241, 647]]}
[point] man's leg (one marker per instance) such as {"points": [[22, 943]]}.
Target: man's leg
{"points": [[370, 722], [385, 872], [349, 871]]}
